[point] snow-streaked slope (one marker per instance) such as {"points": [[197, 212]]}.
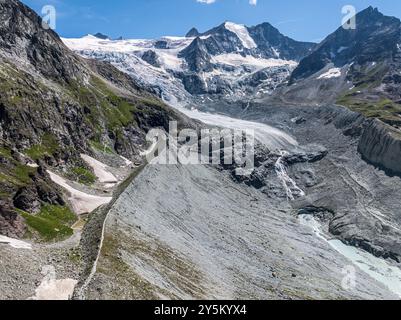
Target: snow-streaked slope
{"points": [[126, 55], [242, 33], [81, 202], [332, 73], [168, 56], [237, 60], [15, 243], [100, 170]]}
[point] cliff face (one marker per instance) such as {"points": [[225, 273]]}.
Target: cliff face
{"points": [[380, 144]]}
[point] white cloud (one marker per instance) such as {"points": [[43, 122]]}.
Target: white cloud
{"points": [[251, 2]]}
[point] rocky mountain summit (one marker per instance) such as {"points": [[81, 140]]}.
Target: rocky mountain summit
{"points": [[262, 40], [358, 68]]}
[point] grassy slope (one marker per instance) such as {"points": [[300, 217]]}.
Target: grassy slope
{"points": [[36, 109], [367, 99]]}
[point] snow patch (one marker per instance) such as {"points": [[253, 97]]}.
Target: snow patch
{"points": [[53, 289], [332, 73], [242, 33], [17, 244], [127, 162], [100, 170], [32, 165], [238, 60], [81, 202]]}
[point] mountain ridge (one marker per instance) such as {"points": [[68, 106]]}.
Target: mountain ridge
{"points": [[55, 106]]}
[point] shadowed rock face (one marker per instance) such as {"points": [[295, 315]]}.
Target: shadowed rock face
{"points": [[374, 39], [22, 37], [101, 36], [11, 224], [197, 56], [192, 33], [271, 42], [381, 145], [151, 57]]}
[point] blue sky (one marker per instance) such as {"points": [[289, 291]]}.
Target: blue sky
{"points": [[308, 20]]}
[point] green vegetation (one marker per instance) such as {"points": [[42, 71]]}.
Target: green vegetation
{"points": [[48, 147], [384, 109], [365, 99], [23, 173], [101, 147], [5, 152], [16, 175], [52, 223], [83, 175]]}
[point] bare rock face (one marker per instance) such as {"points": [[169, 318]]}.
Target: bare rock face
{"points": [[151, 57], [23, 37], [192, 33], [380, 144], [11, 224]]}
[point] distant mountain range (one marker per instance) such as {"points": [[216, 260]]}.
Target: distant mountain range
{"points": [[230, 60], [357, 68]]}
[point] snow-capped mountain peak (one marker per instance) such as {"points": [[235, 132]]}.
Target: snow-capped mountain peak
{"points": [[230, 60], [242, 33]]}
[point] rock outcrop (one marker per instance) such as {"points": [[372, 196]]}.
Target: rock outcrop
{"points": [[380, 145]]}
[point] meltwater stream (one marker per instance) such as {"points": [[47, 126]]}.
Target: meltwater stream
{"points": [[289, 184], [377, 268], [275, 139]]}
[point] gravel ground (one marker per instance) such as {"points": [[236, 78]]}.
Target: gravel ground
{"points": [[191, 232]]}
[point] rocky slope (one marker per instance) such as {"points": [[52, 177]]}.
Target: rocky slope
{"points": [[300, 220], [209, 237], [54, 106], [380, 144], [311, 209], [357, 68]]}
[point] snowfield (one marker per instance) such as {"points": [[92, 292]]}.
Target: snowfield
{"points": [[242, 33], [14, 243], [81, 202], [238, 60], [100, 170], [332, 73]]}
